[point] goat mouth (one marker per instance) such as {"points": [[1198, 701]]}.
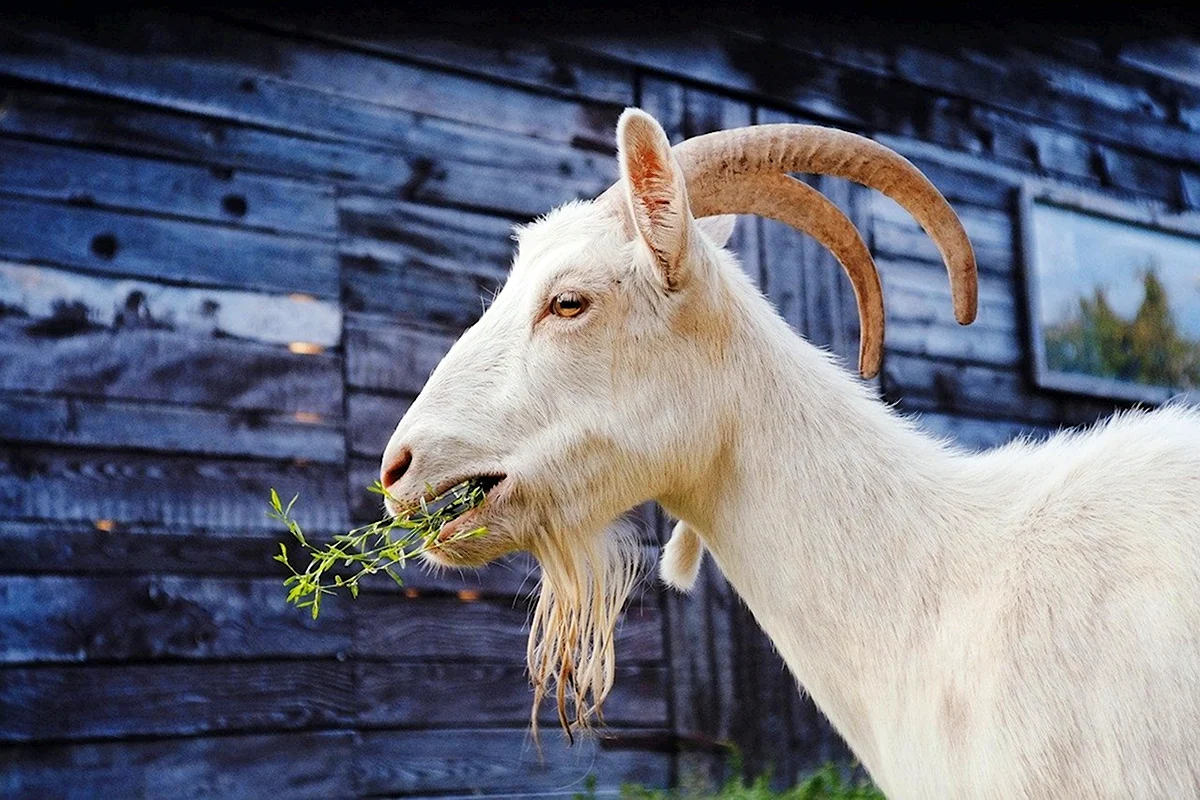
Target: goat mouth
{"points": [[455, 500]]}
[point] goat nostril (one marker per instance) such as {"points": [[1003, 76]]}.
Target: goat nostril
{"points": [[395, 472]]}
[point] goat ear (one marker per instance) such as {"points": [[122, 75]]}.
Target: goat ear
{"points": [[718, 228], [656, 192]]}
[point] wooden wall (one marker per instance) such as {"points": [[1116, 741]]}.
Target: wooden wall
{"points": [[231, 249]]}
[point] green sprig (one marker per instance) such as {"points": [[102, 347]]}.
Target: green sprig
{"points": [[379, 547]]}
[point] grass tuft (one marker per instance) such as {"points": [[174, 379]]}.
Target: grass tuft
{"points": [[382, 546]]}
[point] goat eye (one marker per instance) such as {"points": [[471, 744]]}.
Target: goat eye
{"points": [[568, 304]]}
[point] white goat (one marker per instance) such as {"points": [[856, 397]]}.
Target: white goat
{"points": [[1023, 623]]}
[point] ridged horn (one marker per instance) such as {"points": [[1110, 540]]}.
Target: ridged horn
{"points": [[783, 198], [718, 158]]}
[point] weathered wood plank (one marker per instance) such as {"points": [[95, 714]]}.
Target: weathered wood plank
{"points": [[896, 234], [1051, 62], [53, 618], [64, 702], [920, 316], [55, 298], [1189, 190], [370, 420], [411, 290], [471, 628], [445, 694], [132, 549], [384, 356], [1038, 132], [919, 384], [318, 764], [156, 365], [429, 160], [364, 506], [978, 433], [1001, 84], [112, 243], [84, 486], [496, 53], [726, 62], [1176, 58], [474, 761], [301, 86], [92, 178], [170, 429], [429, 264], [73, 702]]}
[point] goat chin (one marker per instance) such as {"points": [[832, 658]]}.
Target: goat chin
{"points": [[681, 558]]}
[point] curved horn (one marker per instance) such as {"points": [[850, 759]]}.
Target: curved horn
{"points": [[783, 198], [718, 158]]}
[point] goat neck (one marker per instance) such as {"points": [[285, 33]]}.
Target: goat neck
{"points": [[840, 525]]}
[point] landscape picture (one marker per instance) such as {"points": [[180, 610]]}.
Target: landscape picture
{"points": [[1114, 303]]}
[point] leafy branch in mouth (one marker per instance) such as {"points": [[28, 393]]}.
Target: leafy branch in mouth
{"points": [[382, 546]]}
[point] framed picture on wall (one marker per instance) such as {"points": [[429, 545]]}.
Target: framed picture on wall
{"points": [[1113, 292]]}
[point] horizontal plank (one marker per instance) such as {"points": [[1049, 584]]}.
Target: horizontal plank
{"points": [[43, 483], [423, 264], [361, 474], [55, 702], [410, 290], [113, 243], [1047, 62], [478, 629], [1050, 131], [990, 81], [60, 297], [384, 356], [132, 549], [920, 316], [370, 420], [427, 160], [925, 289], [1190, 187], [94, 178], [921, 384], [1176, 58], [317, 764], [479, 761], [438, 237], [300, 86], [975, 345], [896, 234], [54, 618], [718, 59], [897, 75], [428, 695], [493, 53], [73, 702], [172, 429], [64, 355], [978, 433]]}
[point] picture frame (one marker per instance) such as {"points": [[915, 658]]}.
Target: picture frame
{"points": [[1112, 292]]}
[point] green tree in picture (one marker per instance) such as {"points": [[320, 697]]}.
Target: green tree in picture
{"points": [[1147, 349]]}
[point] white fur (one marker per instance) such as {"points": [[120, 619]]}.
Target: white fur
{"points": [[681, 558], [1022, 623]]}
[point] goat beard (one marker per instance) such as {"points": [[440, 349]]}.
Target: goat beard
{"points": [[571, 652]]}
